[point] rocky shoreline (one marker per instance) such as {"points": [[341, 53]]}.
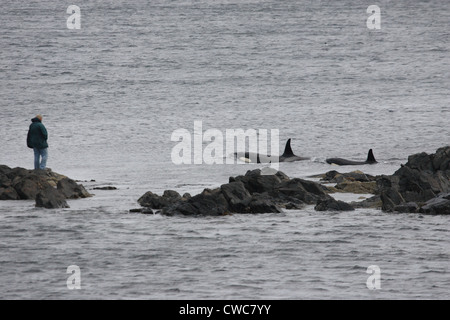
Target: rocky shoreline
{"points": [[422, 185], [252, 193], [49, 189]]}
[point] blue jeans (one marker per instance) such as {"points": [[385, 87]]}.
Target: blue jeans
{"points": [[38, 163]]}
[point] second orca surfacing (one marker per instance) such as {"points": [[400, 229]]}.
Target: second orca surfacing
{"points": [[287, 156], [344, 162]]}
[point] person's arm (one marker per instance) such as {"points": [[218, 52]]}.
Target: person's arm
{"points": [[29, 139], [44, 132]]}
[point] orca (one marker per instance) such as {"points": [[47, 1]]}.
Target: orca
{"points": [[345, 162], [287, 156]]}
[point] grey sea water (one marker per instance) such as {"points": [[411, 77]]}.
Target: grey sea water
{"points": [[113, 92]]}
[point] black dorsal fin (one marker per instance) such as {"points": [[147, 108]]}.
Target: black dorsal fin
{"points": [[288, 150], [370, 157]]}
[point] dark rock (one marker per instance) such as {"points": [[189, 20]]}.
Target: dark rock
{"points": [[336, 177], [357, 187], [438, 205], [282, 176], [294, 206], [149, 199], [229, 198], [107, 188], [4, 170], [420, 161], [19, 173], [421, 179], [373, 202], [260, 204], [39, 185], [416, 185], [287, 202], [209, 202], [409, 207], [236, 195], [142, 210], [332, 205], [51, 198], [5, 181], [311, 187], [254, 182], [390, 200], [170, 194], [441, 159], [306, 191], [350, 182], [256, 203], [330, 176], [71, 190], [250, 194], [186, 196], [388, 187], [8, 193], [27, 187], [155, 201], [51, 177]]}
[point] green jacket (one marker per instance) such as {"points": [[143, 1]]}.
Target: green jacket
{"points": [[37, 135]]}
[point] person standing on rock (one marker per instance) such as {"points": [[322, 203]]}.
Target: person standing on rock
{"points": [[37, 140]]}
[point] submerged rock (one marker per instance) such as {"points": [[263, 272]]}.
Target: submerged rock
{"points": [[333, 205], [142, 210], [337, 177], [409, 207], [107, 188], [373, 202], [350, 182], [357, 187]]}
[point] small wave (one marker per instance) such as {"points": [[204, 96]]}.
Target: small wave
{"points": [[146, 257], [434, 271], [243, 286]]}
